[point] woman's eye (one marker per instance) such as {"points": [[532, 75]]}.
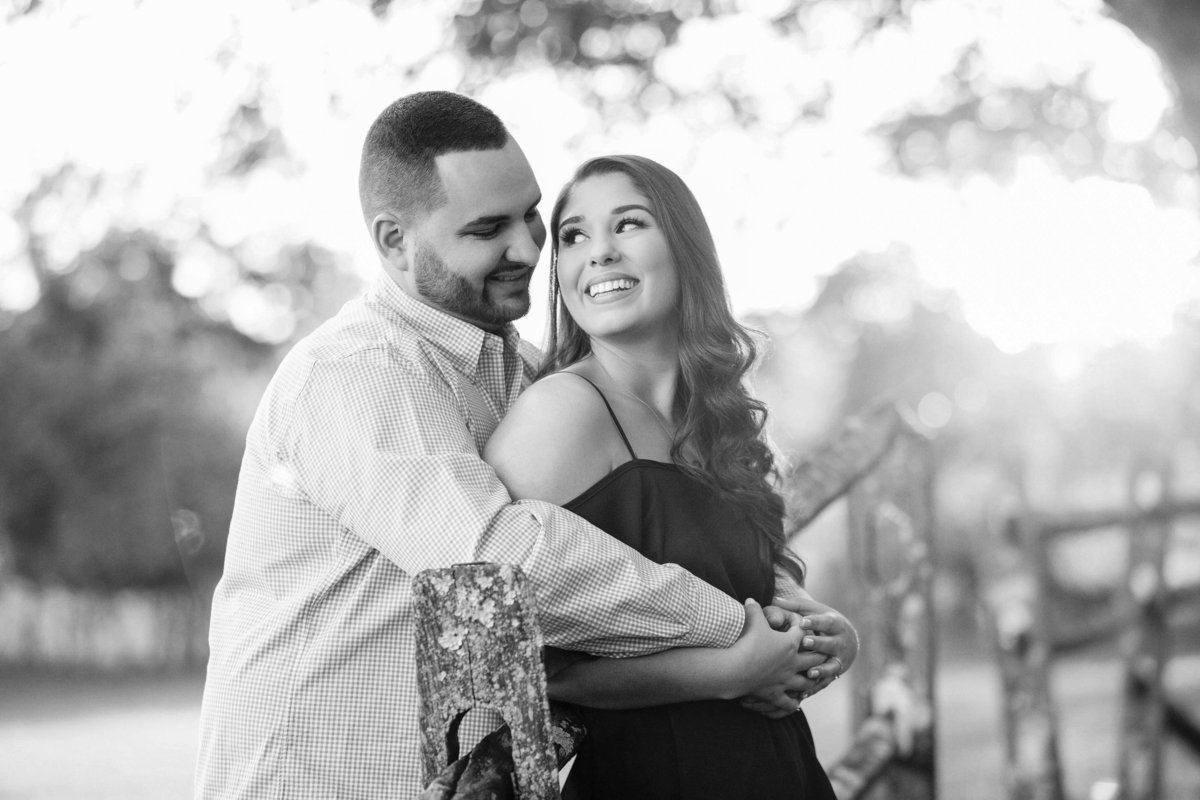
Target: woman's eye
{"points": [[625, 223], [570, 236]]}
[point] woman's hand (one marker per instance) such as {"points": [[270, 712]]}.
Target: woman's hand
{"points": [[826, 631], [774, 675], [834, 636]]}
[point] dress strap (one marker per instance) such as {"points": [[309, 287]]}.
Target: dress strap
{"points": [[611, 413]]}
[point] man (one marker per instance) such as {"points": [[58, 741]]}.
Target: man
{"points": [[362, 468]]}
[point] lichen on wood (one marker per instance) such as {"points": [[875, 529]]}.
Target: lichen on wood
{"points": [[479, 646]]}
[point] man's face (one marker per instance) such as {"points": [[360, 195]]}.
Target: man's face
{"points": [[473, 256]]}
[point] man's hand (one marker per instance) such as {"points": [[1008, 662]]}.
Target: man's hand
{"points": [[783, 698]]}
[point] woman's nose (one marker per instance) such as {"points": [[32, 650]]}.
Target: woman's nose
{"points": [[603, 251]]}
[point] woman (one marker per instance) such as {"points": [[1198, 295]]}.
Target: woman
{"points": [[643, 426]]}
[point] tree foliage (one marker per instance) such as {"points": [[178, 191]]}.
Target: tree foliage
{"points": [[129, 383], [1171, 28], [118, 444]]}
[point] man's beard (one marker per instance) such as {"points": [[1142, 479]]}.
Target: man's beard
{"points": [[455, 295]]}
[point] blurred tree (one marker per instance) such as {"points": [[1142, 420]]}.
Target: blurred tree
{"points": [[1064, 433], [1172, 29], [166, 280], [125, 403], [984, 113], [977, 121], [120, 424]]}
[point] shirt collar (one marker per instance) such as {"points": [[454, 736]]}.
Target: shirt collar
{"points": [[465, 344]]}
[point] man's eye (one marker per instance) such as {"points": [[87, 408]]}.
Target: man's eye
{"points": [[486, 233]]}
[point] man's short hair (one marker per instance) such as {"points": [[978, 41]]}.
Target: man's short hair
{"points": [[398, 172]]}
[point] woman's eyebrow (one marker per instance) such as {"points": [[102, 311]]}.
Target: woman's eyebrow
{"points": [[615, 212]]}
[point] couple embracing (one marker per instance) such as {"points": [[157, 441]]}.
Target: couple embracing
{"points": [[625, 470]]}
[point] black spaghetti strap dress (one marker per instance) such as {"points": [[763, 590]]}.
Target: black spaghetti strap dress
{"points": [[705, 750]]}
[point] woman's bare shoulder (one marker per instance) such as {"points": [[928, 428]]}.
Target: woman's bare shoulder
{"points": [[563, 403], [554, 442]]}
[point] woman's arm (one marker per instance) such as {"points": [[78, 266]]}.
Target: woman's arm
{"points": [[763, 661], [554, 443]]}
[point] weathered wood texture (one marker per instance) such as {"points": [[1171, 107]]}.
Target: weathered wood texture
{"points": [[870, 754], [829, 472], [486, 772], [1012, 602], [1080, 617], [891, 528], [1053, 524], [1144, 641], [1183, 726], [1035, 616], [479, 645]]}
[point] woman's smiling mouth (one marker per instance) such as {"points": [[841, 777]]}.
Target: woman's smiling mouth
{"points": [[609, 286]]}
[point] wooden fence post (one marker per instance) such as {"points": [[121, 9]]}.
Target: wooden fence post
{"points": [[1014, 571], [479, 645], [885, 467], [1034, 616], [1013, 610], [1144, 639], [892, 556]]}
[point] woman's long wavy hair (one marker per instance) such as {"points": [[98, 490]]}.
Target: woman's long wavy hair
{"points": [[719, 419]]}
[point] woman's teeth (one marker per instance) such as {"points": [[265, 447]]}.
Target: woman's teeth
{"points": [[604, 287]]}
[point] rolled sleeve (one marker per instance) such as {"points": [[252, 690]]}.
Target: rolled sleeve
{"points": [[598, 595]]}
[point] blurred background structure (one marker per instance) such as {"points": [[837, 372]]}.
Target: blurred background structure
{"points": [[986, 209]]}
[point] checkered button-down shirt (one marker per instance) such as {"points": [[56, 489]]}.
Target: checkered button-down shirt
{"points": [[361, 469]]}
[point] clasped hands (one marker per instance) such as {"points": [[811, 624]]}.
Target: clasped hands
{"points": [[792, 650]]}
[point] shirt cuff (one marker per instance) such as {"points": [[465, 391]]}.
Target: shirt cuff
{"points": [[717, 619]]}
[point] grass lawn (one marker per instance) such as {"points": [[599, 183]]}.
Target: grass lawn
{"points": [[64, 737]]}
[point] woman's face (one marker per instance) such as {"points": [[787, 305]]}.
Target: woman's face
{"points": [[615, 270]]}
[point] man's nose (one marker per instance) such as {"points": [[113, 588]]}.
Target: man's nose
{"points": [[525, 248]]}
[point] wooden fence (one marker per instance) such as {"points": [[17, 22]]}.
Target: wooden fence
{"points": [[884, 467], [1035, 614]]}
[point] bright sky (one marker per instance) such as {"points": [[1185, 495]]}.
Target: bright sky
{"points": [[147, 87]]}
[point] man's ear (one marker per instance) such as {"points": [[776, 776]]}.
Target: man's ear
{"points": [[389, 235]]}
